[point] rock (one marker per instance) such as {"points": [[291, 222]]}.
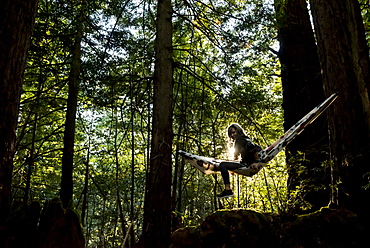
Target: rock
{"points": [[326, 228], [231, 228]]}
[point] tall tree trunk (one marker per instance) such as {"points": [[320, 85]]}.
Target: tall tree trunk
{"points": [[302, 91], [66, 191], [85, 191], [175, 181], [344, 57], [157, 209], [31, 158], [35, 113], [17, 18], [132, 198]]}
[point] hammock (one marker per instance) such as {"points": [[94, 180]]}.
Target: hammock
{"points": [[210, 165]]}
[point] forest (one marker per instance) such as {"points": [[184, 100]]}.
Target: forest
{"points": [[98, 97]]}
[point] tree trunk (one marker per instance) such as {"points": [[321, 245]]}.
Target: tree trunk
{"points": [[344, 57], [175, 182], [157, 209], [303, 90], [85, 190], [35, 112], [66, 191], [17, 19], [132, 197]]}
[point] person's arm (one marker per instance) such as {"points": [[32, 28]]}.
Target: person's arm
{"points": [[255, 155], [236, 149], [236, 155], [256, 166]]}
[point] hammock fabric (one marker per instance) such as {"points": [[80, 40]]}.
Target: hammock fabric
{"points": [[210, 165]]}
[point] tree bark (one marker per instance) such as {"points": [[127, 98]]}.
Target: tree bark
{"points": [[344, 57], [17, 19], [302, 91], [157, 209]]}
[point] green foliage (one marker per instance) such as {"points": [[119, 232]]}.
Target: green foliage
{"points": [[309, 180], [365, 10]]}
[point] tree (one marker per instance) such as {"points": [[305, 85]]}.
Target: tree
{"points": [[66, 192], [157, 205], [344, 58], [16, 24], [302, 90], [223, 72]]}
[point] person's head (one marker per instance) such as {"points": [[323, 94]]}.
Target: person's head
{"points": [[234, 131]]}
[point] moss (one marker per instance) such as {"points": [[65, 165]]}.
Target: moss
{"points": [[187, 237], [325, 227], [235, 228], [226, 228]]}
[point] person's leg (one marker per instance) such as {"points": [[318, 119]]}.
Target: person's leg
{"points": [[224, 168]]}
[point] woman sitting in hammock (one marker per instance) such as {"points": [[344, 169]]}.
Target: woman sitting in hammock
{"points": [[243, 146]]}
